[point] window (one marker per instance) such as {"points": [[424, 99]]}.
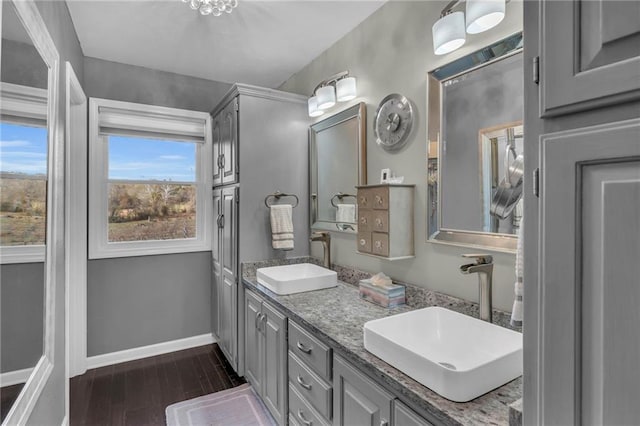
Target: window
{"points": [[23, 174], [149, 180]]}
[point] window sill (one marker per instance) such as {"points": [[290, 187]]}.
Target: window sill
{"points": [[137, 248], [22, 254]]}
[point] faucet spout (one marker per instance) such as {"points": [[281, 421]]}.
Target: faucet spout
{"points": [[484, 268], [325, 239]]}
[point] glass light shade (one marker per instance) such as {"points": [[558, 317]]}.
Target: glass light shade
{"points": [[326, 97], [194, 4], [484, 14], [346, 89], [313, 107], [206, 9], [448, 33]]}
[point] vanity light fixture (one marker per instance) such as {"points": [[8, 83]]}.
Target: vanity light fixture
{"points": [[339, 87], [212, 7], [449, 31]]}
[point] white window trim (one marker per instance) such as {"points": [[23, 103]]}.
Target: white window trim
{"points": [[29, 102], [99, 246]]}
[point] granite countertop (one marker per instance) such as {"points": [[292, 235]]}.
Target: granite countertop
{"points": [[337, 316]]}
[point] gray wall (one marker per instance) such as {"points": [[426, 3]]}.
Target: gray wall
{"points": [[140, 301], [22, 64], [113, 80], [487, 97], [21, 315], [391, 52]]}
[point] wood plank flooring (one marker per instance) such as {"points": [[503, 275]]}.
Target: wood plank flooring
{"points": [[136, 393]]}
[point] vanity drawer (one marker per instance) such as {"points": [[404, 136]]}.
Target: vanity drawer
{"points": [[380, 244], [380, 221], [365, 198], [301, 411], [365, 219], [380, 198], [310, 350], [310, 386], [364, 242]]}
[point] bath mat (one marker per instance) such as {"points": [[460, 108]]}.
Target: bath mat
{"points": [[237, 406]]}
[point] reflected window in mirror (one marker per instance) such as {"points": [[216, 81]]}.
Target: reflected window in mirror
{"points": [[337, 165], [475, 149]]}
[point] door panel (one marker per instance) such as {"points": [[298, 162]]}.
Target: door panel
{"points": [[584, 273], [590, 54], [229, 225], [610, 317], [217, 150], [216, 269], [229, 137], [253, 341], [275, 359]]}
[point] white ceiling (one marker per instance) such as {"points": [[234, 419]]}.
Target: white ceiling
{"points": [[261, 42]]}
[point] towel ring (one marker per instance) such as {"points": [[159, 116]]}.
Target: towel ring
{"points": [[277, 195], [340, 196]]}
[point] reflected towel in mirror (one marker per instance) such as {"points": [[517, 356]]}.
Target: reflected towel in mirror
{"points": [[346, 213], [516, 313], [281, 226]]}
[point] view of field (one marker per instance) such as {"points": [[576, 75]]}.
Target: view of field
{"points": [[151, 212], [22, 209]]}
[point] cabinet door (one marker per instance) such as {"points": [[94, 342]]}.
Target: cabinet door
{"points": [[275, 358], [216, 268], [590, 54], [404, 416], [590, 220], [356, 399], [253, 339], [217, 149], [229, 262], [229, 142]]}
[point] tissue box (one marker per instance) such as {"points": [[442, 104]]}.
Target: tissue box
{"points": [[388, 296]]}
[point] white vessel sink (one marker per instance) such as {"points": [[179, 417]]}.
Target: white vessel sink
{"points": [[298, 278], [455, 355]]}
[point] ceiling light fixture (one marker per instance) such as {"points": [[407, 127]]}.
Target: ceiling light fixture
{"points": [[339, 87], [212, 7], [449, 31]]}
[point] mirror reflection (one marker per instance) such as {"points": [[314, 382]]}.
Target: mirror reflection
{"points": [[338, 165], [475, 162], [23, 205]]}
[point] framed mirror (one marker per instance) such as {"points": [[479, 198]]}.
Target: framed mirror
{"points": [[475, 149], [337, 164], [31, 207]]}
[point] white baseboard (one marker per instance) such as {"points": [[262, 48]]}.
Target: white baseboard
{"points": [[147, 351], [65, 421], [14, 377]]}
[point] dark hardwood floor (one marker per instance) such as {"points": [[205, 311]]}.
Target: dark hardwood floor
{"points": [[8, 396], [136, 393]]}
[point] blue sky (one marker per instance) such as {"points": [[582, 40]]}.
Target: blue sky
{"points": [[23, 149], [151, 159]]}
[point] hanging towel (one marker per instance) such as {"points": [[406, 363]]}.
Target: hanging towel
{"points": [[281, 226], [516, 312], [346, 213]]}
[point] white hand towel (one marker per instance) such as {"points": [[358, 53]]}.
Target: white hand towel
{"points": [[517, 311], [282, 226], [346, 213]]}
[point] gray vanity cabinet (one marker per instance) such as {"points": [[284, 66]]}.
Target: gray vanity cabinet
{"points": [[404, 416], [266, 354], [225, 144], [356, 399], [216, 267]]}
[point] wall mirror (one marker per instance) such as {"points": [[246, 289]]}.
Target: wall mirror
{"points": [[337, 164], [475, 149], [29, 165]]}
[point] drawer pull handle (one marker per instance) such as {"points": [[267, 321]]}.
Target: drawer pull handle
{"points": [[303, 348], [379, 199], [303, 384], [378, 244], [363, 220], [379, 222], [363, 242], [302, 419]]}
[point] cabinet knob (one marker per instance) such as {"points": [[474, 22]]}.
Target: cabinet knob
{"points": [[363, 242], [379, 199], [363, 220], [379, 223], [363, 200], [378, 244]]}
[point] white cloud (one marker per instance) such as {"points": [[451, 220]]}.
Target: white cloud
{"points": [[14, 143], [24, 154], [172, 157]]}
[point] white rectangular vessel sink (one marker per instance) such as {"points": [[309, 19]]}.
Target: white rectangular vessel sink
{"points": [[455, 355], [298, 278]]}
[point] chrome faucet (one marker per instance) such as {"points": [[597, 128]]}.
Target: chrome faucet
{"points": [[325, 238], [484, 268]]}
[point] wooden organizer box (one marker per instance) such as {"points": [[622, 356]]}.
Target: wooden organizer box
{"points": [[385, 221]]}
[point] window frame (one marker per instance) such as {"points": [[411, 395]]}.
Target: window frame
{"points": [[99, 245], [29, 103]]}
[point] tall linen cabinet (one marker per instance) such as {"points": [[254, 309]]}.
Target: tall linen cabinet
{"points": [[260, 146]]}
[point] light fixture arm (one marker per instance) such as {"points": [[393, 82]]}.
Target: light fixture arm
{"points": [[331, 80], [449, 7]]}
